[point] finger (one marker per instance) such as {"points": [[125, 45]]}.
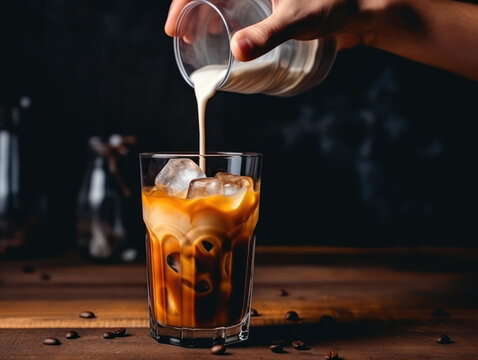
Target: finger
{"points": [[199, 18], [256, 40], [173, 15], [188, 27], [215, 25]]}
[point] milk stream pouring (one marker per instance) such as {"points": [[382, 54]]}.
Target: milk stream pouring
{"points": [[203, 55], [205, 82]]}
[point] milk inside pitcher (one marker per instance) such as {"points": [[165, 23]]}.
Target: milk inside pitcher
{"points": [[202, 43]]}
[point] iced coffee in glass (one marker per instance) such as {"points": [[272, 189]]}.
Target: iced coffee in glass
{"points": [[200, 223]]}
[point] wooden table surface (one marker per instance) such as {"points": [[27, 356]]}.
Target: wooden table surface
{"points": [[365, 303]]}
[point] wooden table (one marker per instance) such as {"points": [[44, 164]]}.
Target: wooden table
{"points": [[365, 303]]}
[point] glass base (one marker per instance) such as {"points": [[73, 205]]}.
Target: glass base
{"points": [[188, 337]]}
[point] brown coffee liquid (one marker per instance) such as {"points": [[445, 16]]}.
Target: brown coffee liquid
{"points": [[200, 254]]}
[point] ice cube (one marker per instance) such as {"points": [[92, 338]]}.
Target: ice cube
{"points": [[232, 184], [175, 177], [205, 187]]}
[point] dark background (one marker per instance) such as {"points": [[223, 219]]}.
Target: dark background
{"points": [[380, 154]]}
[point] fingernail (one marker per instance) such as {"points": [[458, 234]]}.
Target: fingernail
{"points": [[246, 46]]}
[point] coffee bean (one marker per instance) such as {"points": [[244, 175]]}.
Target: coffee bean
{"points": [[45, 277], [218, 349], [72, 335], [282, 292], [331, 355], [87, 315], [299, 344], [27, 269], [443, 339], [119, 332], [108, 335], [276, 348], [254, 312], [291, 316], [51, 341]]}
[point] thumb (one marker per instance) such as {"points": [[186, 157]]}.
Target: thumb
{"points": [[256, 40]]}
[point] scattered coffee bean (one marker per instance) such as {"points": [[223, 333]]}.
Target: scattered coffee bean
{"points": [[87, 315], [27, 269], [440, 313], [292, 316], [282, 292], [45, 277], [108, 335], [276, 348], [218, 349], [299, 344], [51, 341], [331, 355], [254, 312], [72, 335], [119, 332], [443, 339]]}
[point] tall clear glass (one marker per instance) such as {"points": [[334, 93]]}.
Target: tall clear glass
{"points": [[203, 35], [200, 248]]}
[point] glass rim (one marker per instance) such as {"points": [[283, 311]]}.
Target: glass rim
{"points": [[177, 53], [189, 154]]}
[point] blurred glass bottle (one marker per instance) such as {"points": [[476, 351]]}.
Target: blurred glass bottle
{"points": [[20, 210], [12, 235], [102, 234]]}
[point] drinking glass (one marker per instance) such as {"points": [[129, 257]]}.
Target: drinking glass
{"points": [[200, 250]]}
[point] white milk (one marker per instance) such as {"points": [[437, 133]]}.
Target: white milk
{"points": [[266, 76], [205, 82]]}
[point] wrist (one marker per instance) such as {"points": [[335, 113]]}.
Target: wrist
{"points": [[389, 23], [378, 18]]}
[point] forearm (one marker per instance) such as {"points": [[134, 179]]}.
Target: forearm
{"points": [[441, 33]]}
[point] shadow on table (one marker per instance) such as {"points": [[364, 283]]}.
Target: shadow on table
{"points": [[330, 329]]}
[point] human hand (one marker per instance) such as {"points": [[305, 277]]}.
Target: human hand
{"points": [[297, 19], [440, 33]]}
